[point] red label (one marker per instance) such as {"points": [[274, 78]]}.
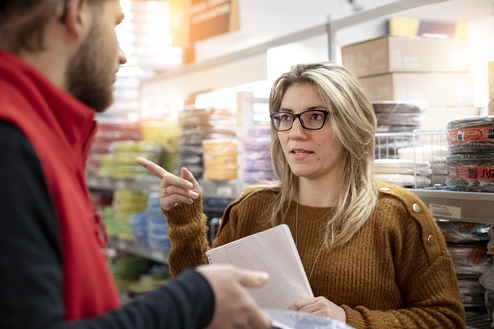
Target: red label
{"points": [[470, 135], [471, 172], [475, 256]]}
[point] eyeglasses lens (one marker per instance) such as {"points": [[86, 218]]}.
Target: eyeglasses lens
{"points": [[309, 120]]}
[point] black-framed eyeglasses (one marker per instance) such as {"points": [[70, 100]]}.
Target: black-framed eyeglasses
{"points": [[311, 120], [64, 13]]}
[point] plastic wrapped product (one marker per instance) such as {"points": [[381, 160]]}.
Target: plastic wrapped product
{"points": [[400, 107], [404, 119], [260, 144], [472, 292], [404, 180], [470, 258], [209, 117], [257, 176], [220, 159], [471, 172], [196, 135], [139, 228], [259, 132], [431, 153], [487, 278], [463, 232], [301, 320], [257, 155], [471, 134], [401, 166], [259, 164]]}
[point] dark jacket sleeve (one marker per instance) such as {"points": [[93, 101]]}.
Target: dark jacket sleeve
{"points": [[31, 263]]}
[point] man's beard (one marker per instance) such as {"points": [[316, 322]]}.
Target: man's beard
{"points": [[90, 75]]}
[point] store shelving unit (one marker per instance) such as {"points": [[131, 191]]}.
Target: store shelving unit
{"points": [[230, 189], [138, 250], [458, 206], [150, 183]]}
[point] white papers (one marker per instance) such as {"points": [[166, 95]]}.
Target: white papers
{"points": [[272, 251]]}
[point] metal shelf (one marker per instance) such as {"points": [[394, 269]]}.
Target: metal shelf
{"points": [[137, 250], [150, 183], [230, 189], [458, 206]]}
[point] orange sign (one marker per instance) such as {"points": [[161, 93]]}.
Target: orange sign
{"points": [[195, 20]]}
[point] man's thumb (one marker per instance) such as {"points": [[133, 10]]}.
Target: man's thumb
{"points": [[252, 279]]}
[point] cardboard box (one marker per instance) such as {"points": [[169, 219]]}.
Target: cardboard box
{"points": [[436, 117], [491, 108], [399, 54], [439, 89]]}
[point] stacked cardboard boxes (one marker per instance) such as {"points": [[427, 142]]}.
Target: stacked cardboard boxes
{"points": [[435, 70]]}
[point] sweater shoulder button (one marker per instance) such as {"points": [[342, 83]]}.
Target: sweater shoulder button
{"points": [[431, 240], [416, 208]]}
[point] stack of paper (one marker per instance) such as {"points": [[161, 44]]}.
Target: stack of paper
{"points": [[274, 252]]}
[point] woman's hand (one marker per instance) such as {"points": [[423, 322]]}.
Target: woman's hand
{"points": [[173, 190], [320, 306]]}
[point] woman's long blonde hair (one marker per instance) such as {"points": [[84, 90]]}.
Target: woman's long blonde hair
{"points": [[354, 124]]}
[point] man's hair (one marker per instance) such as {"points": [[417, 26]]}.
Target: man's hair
{"points": [[23, 23]]}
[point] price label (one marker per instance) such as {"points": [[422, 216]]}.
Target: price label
{"points": [[440, 211]]}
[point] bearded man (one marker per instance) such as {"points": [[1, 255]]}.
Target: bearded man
{"points": [[58, 60]]}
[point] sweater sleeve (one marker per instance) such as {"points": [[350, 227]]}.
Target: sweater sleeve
{"points": [[188, 233], [31, 263], [424, 274]]}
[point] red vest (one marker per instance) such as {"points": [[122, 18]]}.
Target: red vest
{"points": [[61, 130]]}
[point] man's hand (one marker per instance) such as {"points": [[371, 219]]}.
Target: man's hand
{"points": [[320, 306], [173, 189], [234, 307]]}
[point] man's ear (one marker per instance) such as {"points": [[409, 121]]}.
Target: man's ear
{"points": [[78, 18]]}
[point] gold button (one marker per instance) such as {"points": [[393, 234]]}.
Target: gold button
{"points": [[431, 240], [416, 208], [384, 188]]}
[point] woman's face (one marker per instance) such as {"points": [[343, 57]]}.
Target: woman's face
{"points": [[311, 154]]}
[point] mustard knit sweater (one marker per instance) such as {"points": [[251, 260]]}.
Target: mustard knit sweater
{"points": [[395, 272]]}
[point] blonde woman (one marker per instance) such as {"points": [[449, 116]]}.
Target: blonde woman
{"points": [[372, 252]]}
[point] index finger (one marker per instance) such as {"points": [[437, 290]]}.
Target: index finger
{"points": [[152, 167]]}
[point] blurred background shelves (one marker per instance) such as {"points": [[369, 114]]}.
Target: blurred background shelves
{"points": [[138, 250], [109, 184]]}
